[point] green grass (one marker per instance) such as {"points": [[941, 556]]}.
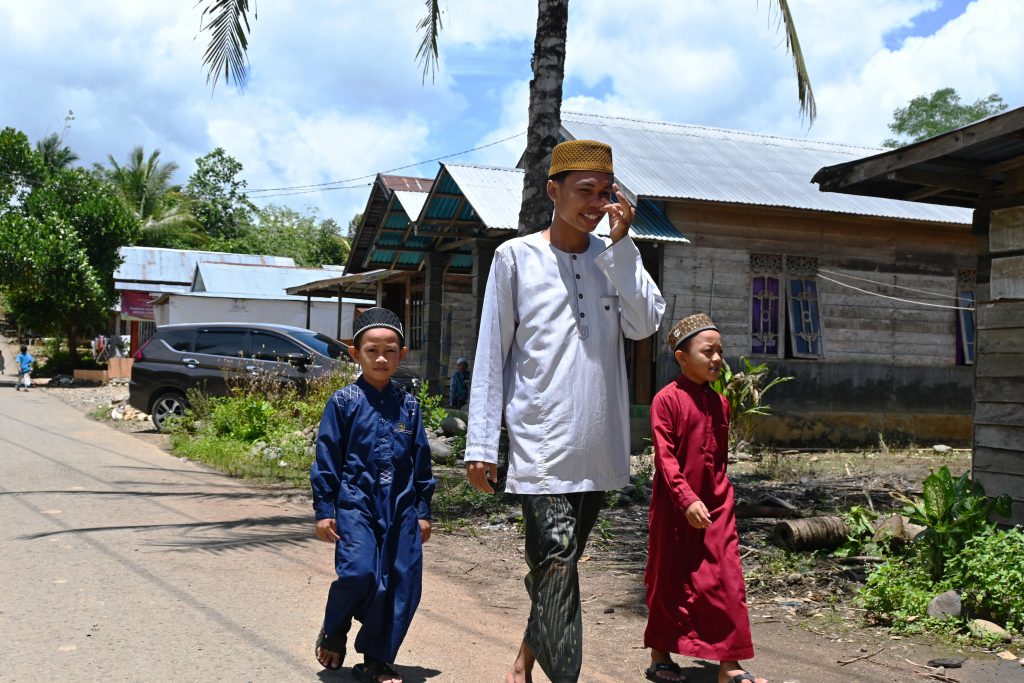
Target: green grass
{"points": [[233, 457], [456, 502]]}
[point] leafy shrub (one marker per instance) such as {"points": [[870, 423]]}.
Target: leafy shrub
{"points": [[955, 511], [900, 589], [432, 405], [745, 390], [860, 522], [245, 417], [990, 571]]}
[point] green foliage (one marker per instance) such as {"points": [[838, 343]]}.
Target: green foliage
{"points": [[990, 572], [745, 391], [929, 115], [244, 417], [282, 231], [217, 195], [58, 243], [432, 405], [954, 510], [900, 589], [455, 499], [860, 521]]}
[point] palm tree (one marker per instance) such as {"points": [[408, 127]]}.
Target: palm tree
{"points": [[54, 153], [228, 24], [144, 185]]}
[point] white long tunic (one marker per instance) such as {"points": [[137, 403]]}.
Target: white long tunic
{"points": [[550, 356]]}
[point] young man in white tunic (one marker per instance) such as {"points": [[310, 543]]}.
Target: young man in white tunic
{"points": [[550, 361]]}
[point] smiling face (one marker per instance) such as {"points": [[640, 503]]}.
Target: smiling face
{"points": [[378, 352], [580, 198], [700, 357]]}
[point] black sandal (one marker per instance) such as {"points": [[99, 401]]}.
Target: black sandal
{"points": [[372, 670], [652, 672], [745, 676], [331, 644]]}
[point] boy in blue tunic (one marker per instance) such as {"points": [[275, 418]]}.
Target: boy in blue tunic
{"points": [[372, 484]]}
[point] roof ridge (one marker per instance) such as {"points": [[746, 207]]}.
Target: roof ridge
{"points": [[489, 167], [731, 131]]}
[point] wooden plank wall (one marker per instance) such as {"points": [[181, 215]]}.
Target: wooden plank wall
{"points": [[999, 372], [858, 327]]}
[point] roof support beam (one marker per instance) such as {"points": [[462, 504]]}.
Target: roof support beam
{"points": [[947, 181]]}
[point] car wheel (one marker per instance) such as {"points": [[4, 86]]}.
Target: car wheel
{"points": [[167, 404]]}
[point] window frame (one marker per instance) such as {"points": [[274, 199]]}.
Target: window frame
{"points": [[804, 270], [768, 267]]}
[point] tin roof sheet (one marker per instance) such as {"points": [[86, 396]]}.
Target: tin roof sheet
{"points": [[676, 161], [412, 202], [177, 266], [253, 280]]}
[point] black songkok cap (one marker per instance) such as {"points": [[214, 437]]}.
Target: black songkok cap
{"points": [[378, 317]]}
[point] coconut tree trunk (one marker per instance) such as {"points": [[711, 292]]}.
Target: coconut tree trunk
{"points": [[545, 112]]}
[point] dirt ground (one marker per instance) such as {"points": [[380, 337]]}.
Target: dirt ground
{"points": [[800, 605]]}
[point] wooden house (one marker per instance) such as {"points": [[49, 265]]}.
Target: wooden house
{"points": [[854, 296], [981, 167]]}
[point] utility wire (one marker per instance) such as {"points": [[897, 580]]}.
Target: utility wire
{"points": [[894, 298], [390, 170], [894, 286]]}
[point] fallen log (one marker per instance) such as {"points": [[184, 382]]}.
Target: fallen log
{"points": [[810, 534]]}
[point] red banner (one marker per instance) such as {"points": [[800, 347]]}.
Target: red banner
{"points": [[137, 305]]}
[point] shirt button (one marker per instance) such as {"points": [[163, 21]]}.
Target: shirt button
{"points": [[574, 257], [583, 315], [577, 276], [581, 296]]}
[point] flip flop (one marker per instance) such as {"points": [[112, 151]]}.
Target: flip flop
{"points": [[652, 672], [372, 670], [745, 676], [332, 643]]}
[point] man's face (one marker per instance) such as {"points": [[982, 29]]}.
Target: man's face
{"points": [[378, 355], [580, 199]]}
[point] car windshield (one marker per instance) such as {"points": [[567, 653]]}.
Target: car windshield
{"points": [[323, 344]]}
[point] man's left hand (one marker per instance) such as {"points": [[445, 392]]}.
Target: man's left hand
{"points": [[425, 528], [620, 215]]}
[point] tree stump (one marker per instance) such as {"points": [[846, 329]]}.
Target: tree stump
{"points": [[810, 534]]}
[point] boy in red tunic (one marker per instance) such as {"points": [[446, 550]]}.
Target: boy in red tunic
{"points": [[695, 592]]}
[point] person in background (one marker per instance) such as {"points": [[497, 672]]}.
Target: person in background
{"points": [[458, 391], [24, 361]]}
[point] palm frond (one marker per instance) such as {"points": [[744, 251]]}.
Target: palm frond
{"points": [[431, 26], [227, 21], [808, 107]]}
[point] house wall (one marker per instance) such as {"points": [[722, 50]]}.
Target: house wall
{"points": [[196, 309], [999, 408], [889, 367]]}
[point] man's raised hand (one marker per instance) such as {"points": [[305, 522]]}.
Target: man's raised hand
{"points": [[620, 215]]}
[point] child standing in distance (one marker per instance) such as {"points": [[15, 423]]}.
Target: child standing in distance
{"points": [[458, 390], [24, 362], [372, 484], [696, 596]]}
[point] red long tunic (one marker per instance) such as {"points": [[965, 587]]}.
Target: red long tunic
{"points": [[696, 597]]}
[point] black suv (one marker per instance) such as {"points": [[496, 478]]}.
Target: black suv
{"points": [[215, 356]]}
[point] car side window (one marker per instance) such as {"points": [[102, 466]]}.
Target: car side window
{"points": [[221, 343], [179, 340], [272, 347]]}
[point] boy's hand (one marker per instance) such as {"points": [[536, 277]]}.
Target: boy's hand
{"points": [[620, 215], [697, 515], [327, 530], [479, 473], [425, 527]]}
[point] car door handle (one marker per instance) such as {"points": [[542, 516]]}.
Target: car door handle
{"points": [[251, 368], [191, 362]]}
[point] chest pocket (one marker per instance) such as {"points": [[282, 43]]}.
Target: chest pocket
{"points": [[608, 309]]}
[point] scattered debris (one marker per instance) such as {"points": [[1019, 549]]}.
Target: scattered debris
{"points": [[947, 662], [844, 662]]}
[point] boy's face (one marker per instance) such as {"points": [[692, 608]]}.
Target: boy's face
{"points": [[580, 199], [701, 359], [378, 354]]}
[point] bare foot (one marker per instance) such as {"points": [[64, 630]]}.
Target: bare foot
{"points": [[727, 670], [522, 668], [668, 675], [329, 659]]}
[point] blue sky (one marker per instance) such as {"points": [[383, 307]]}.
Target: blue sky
{"points": [[337, 94]]}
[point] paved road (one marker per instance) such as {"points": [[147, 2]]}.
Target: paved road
{"points": [[120, 562]]}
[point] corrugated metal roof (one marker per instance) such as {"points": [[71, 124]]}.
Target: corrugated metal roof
{"points": [[253, 280], [412, 202], [177, 266], [496, 194], [675, 161], [255, 297]]}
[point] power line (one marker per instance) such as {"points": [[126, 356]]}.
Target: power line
{"points": [[374, 175], [939, 295], [893, 298]]}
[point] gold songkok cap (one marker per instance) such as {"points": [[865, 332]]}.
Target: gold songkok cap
{"points": [[581, 155], [688, 327]]}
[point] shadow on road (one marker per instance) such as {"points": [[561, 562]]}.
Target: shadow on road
{"points": [[410, 674]]}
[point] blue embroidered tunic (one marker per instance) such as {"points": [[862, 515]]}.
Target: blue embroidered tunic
{"points": [[372, 474]]}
